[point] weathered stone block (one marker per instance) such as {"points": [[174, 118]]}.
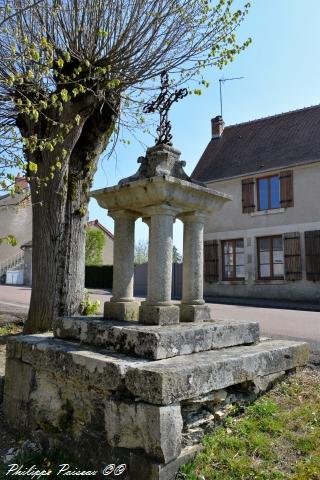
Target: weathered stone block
{"points": [[159, 315], [174, 379], [18, 385], [101, 369], [155, 429], [153, 341], [1, 387], [194, 313], [167, 471], [262, 384], [121, 310]]}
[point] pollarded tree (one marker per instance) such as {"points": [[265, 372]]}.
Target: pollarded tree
{"points": [[68, 70]]}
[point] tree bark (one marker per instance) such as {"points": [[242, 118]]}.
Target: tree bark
{"points": [[59, 222]]}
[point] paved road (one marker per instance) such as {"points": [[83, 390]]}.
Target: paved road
{"points": [[273, 322]]}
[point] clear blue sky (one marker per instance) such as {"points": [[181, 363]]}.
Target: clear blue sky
{"points": [[282, 72]]}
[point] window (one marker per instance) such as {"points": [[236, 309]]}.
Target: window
{"points": [[270, 258], [269, 193], [233, 259], [273, 191]]}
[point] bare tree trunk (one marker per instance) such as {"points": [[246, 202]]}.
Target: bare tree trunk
{"points": [[59, 225]]}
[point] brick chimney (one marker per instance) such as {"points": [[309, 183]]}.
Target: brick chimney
{"points": [[21, 182], [217, 126]]}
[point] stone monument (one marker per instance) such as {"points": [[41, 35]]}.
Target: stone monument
{"points": [[142, 385]]}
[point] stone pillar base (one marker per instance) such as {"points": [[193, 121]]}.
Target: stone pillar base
{"points": [[194, 313], [121, 310], [159, 315]]}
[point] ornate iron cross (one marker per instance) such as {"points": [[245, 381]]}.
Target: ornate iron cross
{"points": [[162, 104]]}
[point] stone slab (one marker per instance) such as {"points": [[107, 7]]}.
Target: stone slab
{"points": [[160, 382], [156, 342], [160, 190], [174, 379], [97, 368]]}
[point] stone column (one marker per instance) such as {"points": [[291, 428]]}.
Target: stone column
{"points": [[158, 308], [122, 305], [193, 308]]}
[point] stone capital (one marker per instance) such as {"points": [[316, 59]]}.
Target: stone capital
{"points": [[190, 217], [123, 214], [161, 210]]}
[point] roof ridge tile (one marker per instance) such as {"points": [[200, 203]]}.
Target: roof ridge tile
{"points": [[276, 115]]}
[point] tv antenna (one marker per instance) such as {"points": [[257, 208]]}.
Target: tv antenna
{"points": [[221, 81]]}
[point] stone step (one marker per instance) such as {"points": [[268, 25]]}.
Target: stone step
{"points": [[153, 341], [175, 379], [160, 382]]}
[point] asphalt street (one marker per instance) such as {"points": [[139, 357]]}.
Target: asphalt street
{"points": [[274, 322]]}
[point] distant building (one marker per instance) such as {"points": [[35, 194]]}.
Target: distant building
{"points": [[16, 219], [107, 254], [266, 242]]}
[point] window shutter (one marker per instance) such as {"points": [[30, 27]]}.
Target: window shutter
{"points": [[248, 205], [312, 245], [286, 189], [211, 261], [292, 256]]}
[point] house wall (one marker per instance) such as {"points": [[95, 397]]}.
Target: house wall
{"points": [[27, 267], [14, 220], [231, 223], [107, 254]]}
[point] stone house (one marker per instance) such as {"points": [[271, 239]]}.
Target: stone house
{"points": [[16, 219], [266, 242]]}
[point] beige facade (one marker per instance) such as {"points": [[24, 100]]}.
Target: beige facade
{"points": [[16, 220], [231, 223], [107, 254]]}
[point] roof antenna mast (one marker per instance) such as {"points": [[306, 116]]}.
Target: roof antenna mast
{"points": [[221, 81]]}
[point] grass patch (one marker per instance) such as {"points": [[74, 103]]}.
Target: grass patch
{"points": [[10, 329], [278, 437]]}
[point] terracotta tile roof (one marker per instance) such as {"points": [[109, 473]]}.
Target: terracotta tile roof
{"points": [[96, 223], [268, 143]]}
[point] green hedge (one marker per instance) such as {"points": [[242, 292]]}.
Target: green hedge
{"points": [[99, 276]]}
